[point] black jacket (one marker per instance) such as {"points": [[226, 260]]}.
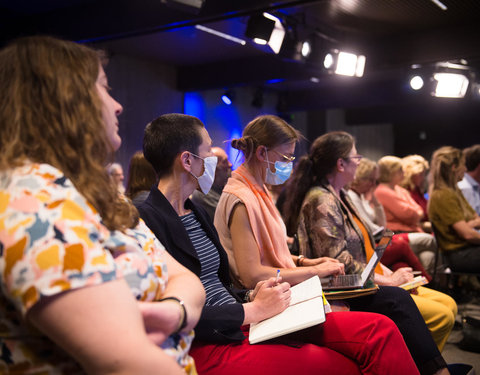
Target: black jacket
{"points": [[219, 324]]}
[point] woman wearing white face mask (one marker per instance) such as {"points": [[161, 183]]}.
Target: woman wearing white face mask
{"points": [[178, 147]]}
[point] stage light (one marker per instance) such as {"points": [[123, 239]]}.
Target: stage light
{"points": [[345, 63], [416, 82], [444, 79], [306, 49], [266, 29], [228, 97], [328, 61], [450, 85]]}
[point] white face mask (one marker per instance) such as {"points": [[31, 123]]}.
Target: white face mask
{"points": [[205, 181]]}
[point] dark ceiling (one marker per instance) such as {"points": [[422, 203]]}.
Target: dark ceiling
{"points": [[393, 34]]}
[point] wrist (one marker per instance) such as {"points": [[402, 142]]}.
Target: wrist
{"points": [[248, 296], [182, 323], [300, 260]]}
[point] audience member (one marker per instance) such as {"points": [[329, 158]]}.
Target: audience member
{"points": [[178, 146], [328, 224], [403, 214], [398, 253], [455, 221], [470, 184], [115, 171], [77, 269], [253, 234], [414, 172], [141, 177], [223, 171]]}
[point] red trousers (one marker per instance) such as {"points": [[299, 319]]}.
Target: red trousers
{"points": [[399, 254], [347, 343]]}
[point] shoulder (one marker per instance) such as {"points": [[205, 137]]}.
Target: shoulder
{"points": [[445, 198]]}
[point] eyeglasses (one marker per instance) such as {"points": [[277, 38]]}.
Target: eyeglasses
{"points": [[356, 157], [287, 158]]}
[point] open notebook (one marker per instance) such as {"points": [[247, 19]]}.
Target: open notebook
{"points": [[356, 281], [306, 310]]}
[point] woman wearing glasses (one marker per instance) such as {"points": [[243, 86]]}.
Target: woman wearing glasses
{"points": [[320, 212], [253, 233]]}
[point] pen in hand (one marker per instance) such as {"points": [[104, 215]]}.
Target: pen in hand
{"points": [[276, 278]]}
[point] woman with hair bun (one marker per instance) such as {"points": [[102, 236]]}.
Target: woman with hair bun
{"points": [[254, 235]]}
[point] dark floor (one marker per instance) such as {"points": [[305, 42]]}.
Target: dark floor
{"points": [[453, 353]]}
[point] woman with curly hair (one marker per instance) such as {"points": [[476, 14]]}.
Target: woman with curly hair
{"points": [[81, 277]]}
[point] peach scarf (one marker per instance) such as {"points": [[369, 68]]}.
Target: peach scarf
{"points": [[267, 225]]}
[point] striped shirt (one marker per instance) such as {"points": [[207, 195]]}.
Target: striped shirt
{"points": [[210, 262]]}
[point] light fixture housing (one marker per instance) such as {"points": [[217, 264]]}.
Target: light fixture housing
{"points": [[443, 79], [450, 85], [266, 29], [344, 63]]}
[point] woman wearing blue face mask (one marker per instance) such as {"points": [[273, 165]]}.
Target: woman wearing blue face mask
{"points": [[253, 233], [246, 217], [178, 147]]}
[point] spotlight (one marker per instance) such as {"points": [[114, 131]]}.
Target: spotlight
{"points": [[266, 29], [228, 97], [328, 61], [345, 63], [443, 79], [416, 82], [306, 49], [450, 85]]}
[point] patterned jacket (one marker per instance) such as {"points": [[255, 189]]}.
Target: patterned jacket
{"points": [[327, 228]]}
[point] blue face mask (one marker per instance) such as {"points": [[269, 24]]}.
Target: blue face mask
{"points": [[283, 170]]}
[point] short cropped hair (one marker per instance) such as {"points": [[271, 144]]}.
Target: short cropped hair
{"points": [[169, 135], [472, 157]]}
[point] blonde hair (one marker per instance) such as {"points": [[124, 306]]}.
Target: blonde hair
{"points": [[412, 165], [364, 170], [50, 112], [388, 166], [441, 171]]}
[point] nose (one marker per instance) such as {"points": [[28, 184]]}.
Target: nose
{"points": [[118, 108]]}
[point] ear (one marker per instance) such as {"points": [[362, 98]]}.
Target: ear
{"points": [[185, 160], [340, 165], [261, 153]]}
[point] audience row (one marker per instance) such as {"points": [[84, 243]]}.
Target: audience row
{"points": [[89, 287]]}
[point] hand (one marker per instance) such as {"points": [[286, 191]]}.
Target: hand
{"points": [[330, 269], [161, 319], [271, 298], [257, 288], [313, 262], [401, 276]]}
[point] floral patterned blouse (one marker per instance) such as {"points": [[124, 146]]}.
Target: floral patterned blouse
{"points": [[52, 240]]}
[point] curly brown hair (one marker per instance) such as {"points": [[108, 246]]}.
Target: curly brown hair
{"points": [[50, 112]]}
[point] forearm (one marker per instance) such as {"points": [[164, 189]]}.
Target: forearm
{"points": [[192, 296], [383, 280], [293, 276]]}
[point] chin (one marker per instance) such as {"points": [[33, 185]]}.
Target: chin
{"points": [[116, 142]]}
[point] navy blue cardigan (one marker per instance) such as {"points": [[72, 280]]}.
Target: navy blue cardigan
{"points": [[219, 324]]}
